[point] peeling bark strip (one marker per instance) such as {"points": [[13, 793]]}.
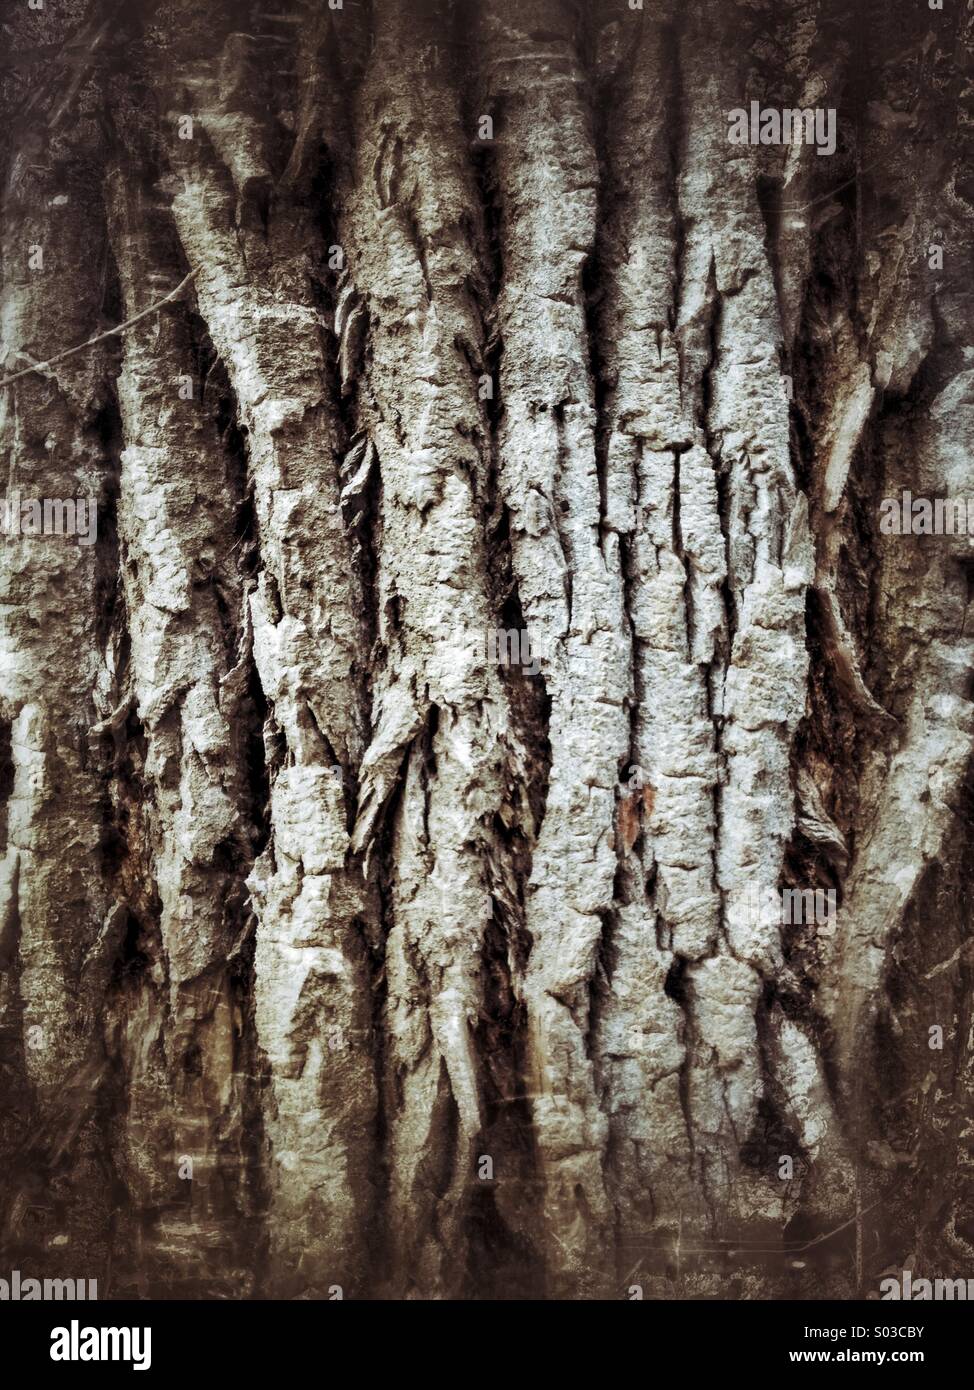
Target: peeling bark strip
{"points": [[415, 799]]}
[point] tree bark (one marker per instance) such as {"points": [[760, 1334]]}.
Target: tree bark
{"points": [[346, 950]]}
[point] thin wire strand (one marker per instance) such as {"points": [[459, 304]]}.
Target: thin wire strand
{"points": [[100, 337]]}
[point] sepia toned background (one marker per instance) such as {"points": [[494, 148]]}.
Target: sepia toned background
{"points": [[336, 954]]}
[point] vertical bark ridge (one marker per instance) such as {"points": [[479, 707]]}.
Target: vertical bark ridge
{"points": [[188, 668], [260, 256], [912, 360], [664, 506], [730, 328], [57, 431], [441, 710], [570, 587]]}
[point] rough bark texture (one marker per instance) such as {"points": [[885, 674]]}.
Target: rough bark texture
{"points": [[334, 950]]}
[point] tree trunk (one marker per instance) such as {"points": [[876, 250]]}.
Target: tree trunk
{"points": [[490, 627]]}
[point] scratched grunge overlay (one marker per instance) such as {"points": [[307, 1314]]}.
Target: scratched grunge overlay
{"points": [[485, 657]]}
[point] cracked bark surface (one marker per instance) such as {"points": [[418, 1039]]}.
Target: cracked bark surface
{"points": [[334, 952]]}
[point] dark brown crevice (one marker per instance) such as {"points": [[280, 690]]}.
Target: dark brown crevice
{"points": [[6, 778]]}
